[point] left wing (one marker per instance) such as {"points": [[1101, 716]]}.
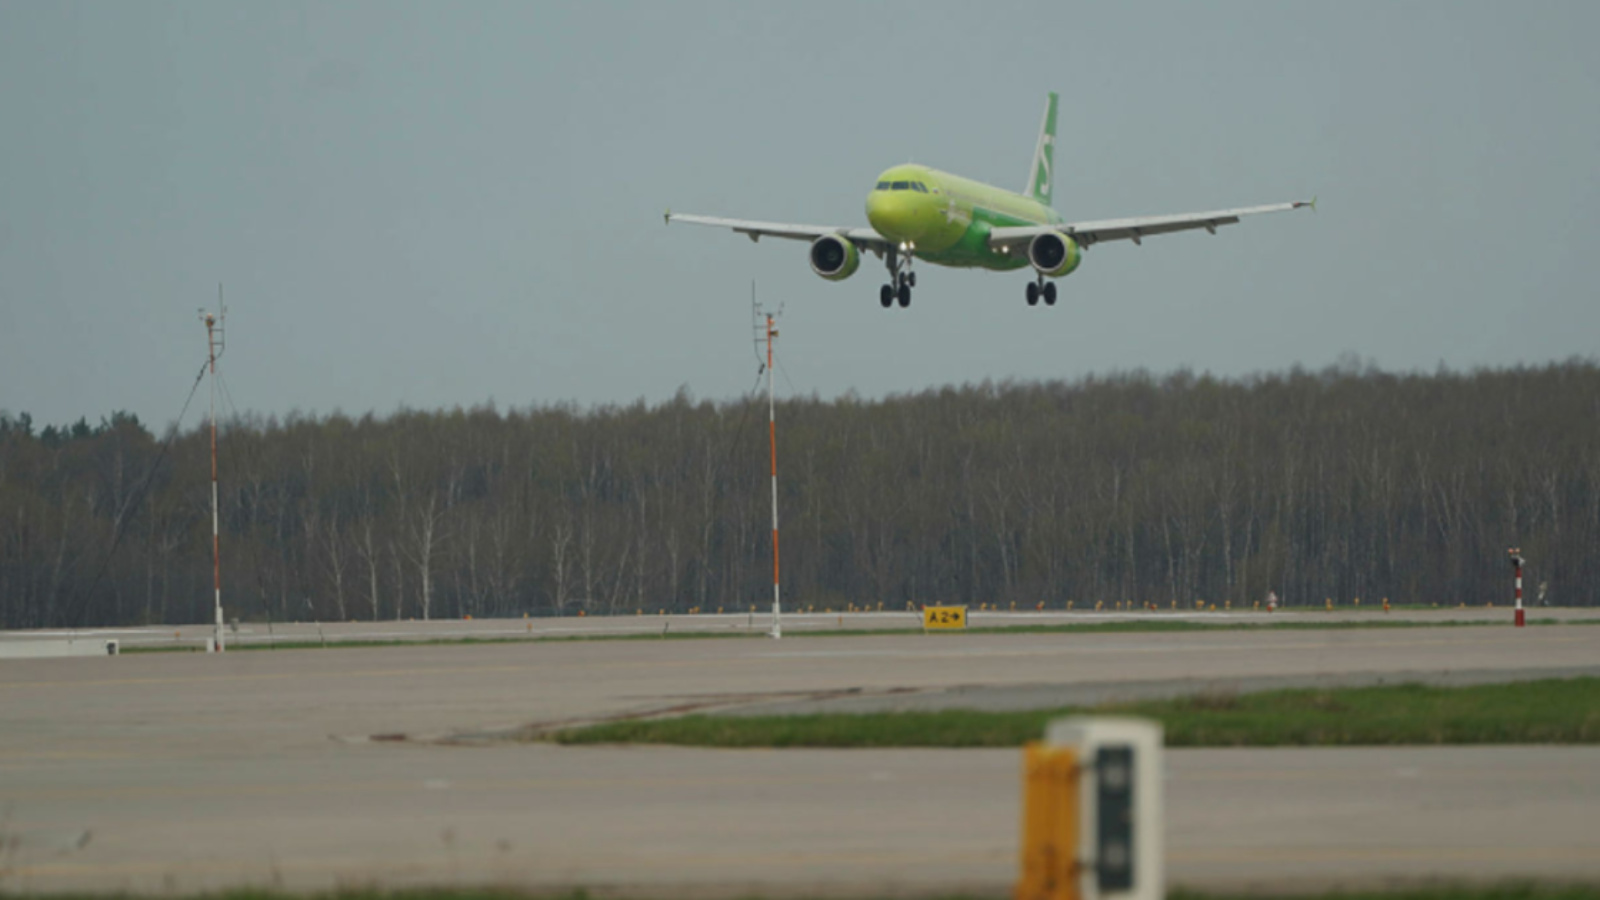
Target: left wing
{"points": [[1135, 229], [864, 238]]}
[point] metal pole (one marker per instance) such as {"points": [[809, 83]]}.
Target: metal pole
{"points": [[216, 541], [772, 437], [1516, 561]]}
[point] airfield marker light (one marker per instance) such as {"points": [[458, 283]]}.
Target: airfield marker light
{"points": [[1386, 604], [1516, 565]]}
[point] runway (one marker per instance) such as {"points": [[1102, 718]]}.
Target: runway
{"points": [[160, 772]]}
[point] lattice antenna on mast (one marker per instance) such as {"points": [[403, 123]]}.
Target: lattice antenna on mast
{"points": [[768, 325]]}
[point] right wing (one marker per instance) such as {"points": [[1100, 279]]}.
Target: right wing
{"points": [[1136, 229], [864, 238]]}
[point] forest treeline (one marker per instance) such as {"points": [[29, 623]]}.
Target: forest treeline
{"points": [[1343, 483]]}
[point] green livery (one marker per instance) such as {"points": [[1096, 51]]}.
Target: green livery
{"points": [[947, 220], [922, 213]]}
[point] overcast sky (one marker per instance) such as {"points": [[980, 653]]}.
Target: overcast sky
{"points": [[441, 204]]}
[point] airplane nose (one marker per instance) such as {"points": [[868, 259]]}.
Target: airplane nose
{"points": [[892, 215]]}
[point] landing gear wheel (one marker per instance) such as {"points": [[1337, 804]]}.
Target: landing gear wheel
{"points": [[1050, 294], [1033, 293], [886, 296], [905, 295]]}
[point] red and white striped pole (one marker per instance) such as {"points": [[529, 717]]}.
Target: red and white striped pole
{"points": [[772, 437], [217, 640], [1516, 565]]}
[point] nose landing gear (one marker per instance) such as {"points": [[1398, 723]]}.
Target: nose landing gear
{"points": [[901, 281]]}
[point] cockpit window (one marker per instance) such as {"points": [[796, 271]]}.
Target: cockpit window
{"points": [[919, 187], [901, 186], [883, 185]]}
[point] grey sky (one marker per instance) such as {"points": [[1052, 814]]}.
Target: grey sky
{"points": [[438, 204]]}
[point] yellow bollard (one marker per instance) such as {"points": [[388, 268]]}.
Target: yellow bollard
{"points": [[1049, 846], [1328, 603], [1358, 601]]}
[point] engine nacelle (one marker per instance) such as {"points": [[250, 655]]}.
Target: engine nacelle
{"points": [[834, 258], [1054, 254]]}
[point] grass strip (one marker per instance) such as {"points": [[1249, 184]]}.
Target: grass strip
{"points": [[1555, 711], [1512, 890]]}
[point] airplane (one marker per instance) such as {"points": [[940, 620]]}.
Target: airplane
{"points": [[922, 213]]}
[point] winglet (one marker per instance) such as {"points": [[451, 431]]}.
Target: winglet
{"points": [[1311, 203], [666, 219]]}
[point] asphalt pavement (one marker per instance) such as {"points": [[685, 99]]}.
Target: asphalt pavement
{"points": [[318, 768]]}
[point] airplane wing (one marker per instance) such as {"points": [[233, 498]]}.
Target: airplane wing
{"points": [[1135, 229], [865, 238]]}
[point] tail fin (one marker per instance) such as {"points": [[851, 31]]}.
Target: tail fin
{"points": [[1041, 178]]}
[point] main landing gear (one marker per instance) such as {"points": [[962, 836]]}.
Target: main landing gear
{"points": [[1044, 289], [901, 281]]}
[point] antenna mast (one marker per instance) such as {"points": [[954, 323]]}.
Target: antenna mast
{"points": [[216, 342], [770, 332]]}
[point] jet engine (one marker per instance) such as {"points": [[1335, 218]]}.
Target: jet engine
{"points": [[834, 258], [1054, 254]]}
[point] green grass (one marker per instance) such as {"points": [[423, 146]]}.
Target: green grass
{"points": [[1504, 891], [1557, 711]]}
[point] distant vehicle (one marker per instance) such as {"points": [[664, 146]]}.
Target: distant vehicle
{"points": [[922, 213]]}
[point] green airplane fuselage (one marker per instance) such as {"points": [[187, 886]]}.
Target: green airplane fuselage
{"points": [[945, 219]]}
